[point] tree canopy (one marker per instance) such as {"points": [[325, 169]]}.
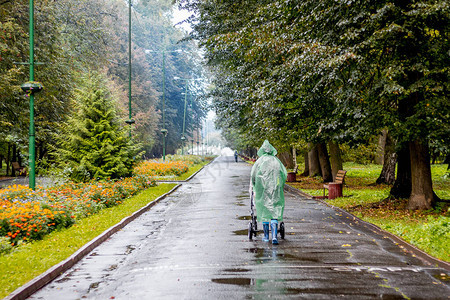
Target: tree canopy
{"points": [[74, 38], [327, 70]]}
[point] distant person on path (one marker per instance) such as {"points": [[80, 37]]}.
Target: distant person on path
{"points": [[267, 179], [235, 155]]}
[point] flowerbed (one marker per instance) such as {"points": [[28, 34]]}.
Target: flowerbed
{"points": [[154, 168], [29, 215], [174, 165]]}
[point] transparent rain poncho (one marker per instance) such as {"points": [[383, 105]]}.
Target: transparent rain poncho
{"points": [[267, 178]]}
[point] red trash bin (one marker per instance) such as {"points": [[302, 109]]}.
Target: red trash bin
{"points": [[291, 177], [334, 190]]}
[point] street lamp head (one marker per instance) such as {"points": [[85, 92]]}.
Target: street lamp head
{"points": [[164, 132], [32, 87], [130, 121]]}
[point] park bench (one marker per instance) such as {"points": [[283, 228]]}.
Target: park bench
{"points": [[22, 171], [336, 185]]}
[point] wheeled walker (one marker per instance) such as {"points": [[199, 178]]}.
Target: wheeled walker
{"points": [[253, 224]]}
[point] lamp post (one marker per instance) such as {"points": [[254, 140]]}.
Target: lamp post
{"points": [[184, 119], [130, 121], [32, 138], [30, 88]]}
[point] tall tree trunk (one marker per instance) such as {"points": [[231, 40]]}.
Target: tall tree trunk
{"points": [[447, 161], [306, 171], [402, 185], [324, 161], [335, 158], [313, 162], [387, 175], [422, 187], [381, 151], [286, 159], [13, 172], [8, 159], [294, 157], [19, 157]]}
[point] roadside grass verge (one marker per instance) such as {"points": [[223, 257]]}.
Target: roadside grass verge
{"points": [[185, 175], [175, 168], [427, 230], [192, 170], [32, 259]]}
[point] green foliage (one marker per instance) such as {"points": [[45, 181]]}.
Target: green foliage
{"points": [[362, 154], [94, 144], [327, 70], [5, 245], [75, 37]]}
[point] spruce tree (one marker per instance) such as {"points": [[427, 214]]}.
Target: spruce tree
{"points": [[95, 145]]}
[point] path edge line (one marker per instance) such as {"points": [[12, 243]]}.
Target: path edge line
{"points": [[42, 280], [422, 255]]}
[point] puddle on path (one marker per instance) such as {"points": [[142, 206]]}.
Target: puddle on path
{"points": [[275, 254], [236, 270], [235, 281], [276, 286], [241, 232]]}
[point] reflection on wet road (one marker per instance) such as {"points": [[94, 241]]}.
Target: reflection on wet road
{"points": [[194, 245]]}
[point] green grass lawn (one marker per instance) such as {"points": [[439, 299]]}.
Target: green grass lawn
{"points": [[30, 260], [427, 230]]}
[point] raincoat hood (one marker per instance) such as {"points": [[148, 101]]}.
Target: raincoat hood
{"points": [[267, 148]]}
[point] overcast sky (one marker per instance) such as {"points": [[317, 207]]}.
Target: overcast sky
{"points": [[181, 15]]}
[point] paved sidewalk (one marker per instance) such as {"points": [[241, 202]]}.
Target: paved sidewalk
{"points": [[194, 245]]}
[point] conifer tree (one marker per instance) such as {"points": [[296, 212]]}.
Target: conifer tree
{"points": [[95, 145]]}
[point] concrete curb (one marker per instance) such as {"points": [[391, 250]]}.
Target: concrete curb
{"points": [[425, 257], [40, 281]]}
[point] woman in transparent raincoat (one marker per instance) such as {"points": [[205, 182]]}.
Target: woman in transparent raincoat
{"points": [[267, 179]]}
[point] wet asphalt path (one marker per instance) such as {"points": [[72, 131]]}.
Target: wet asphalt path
{"points": [[194, 245]]}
